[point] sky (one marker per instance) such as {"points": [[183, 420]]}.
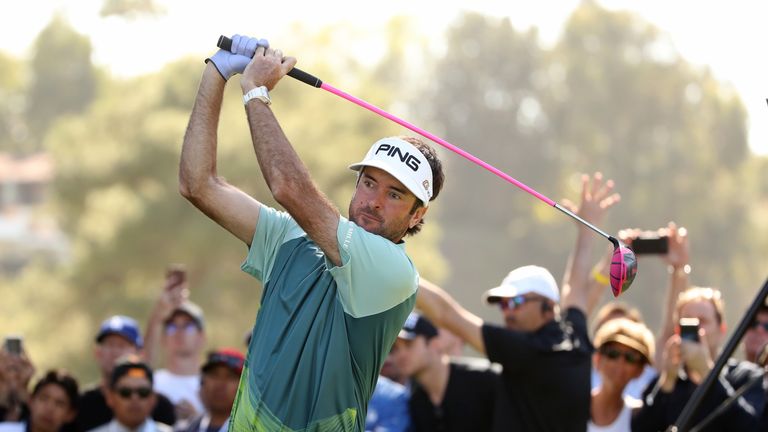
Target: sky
{"points": [[727, 37]]}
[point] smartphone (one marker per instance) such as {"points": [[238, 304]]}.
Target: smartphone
{"points": [[689, 329], [175, 274], [650, 244], [14, 345]]}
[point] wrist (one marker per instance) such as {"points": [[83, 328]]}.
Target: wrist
{"points": [[679, 270], [600, 277]]}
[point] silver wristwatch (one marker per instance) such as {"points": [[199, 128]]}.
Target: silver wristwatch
{"points": [[259, 93]]}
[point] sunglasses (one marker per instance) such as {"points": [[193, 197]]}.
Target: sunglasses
{"points": [[630, 357], [141, 392], [189, 328], [516, 301], [756, 324]]}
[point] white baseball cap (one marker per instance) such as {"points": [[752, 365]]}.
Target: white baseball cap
{"points": [[524, 280], [404, 162]]}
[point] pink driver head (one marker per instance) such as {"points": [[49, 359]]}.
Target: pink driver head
{"points": [[623, 269]]}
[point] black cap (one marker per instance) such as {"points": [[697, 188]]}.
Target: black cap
{"points": [[131, 365], [417, 325]]}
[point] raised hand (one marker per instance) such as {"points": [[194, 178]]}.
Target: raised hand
{"points": [[597, 197]]}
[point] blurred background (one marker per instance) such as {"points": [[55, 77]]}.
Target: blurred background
{"points": [[666, 99]]}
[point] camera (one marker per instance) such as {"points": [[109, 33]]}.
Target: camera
{"points": [[689, 329], [650, 243]]}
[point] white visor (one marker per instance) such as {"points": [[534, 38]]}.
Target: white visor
{"points": [[404, 162]]}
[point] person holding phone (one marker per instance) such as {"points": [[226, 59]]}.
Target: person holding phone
{"points": [[16, 371], [176, 333], [685, 364]]}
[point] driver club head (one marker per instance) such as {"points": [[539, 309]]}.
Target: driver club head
{"points": [[623, 269]]}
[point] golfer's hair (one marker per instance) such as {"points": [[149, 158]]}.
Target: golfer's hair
{"points": [[438, 177]]}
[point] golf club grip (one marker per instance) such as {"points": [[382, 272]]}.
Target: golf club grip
{"points": [[225, 43]]}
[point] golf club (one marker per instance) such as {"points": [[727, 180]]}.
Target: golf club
{"points": [[623, 263]]}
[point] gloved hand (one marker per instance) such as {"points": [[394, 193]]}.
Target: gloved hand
{"points": [[230, 63]]}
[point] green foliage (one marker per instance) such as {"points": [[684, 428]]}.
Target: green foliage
{"points": [[63, 80], [13, 128], [611, 96]]}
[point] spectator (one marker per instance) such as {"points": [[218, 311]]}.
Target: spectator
{"points": [[624, 347], [388, 407], [445, 396], [686, 363], [335, 290], [16, 371], [219, 380], [756, 337], [118, 336], [606, 314], [131, 398], [177, 328], [52, 405], [545, 354]]}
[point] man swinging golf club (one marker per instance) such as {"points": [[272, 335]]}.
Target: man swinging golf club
{"points": [[336, 291]]}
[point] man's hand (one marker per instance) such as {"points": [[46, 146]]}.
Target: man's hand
{"points": [[234, 62], [670, 364], [697, 358], [677, 254], [266, 68], [596, 199]]}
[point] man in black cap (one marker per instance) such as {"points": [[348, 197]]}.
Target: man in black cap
{"points": [[446, 396], [218, 388], [118, 336], [131, 398]]}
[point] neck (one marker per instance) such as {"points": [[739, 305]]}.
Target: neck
{"points": [[218, 417], [607, 403], [434, 379], [184, 365]]}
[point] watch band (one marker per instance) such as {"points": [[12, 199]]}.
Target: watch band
{"points": [[259, 93]]}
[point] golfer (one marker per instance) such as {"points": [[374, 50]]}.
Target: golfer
{"points": [[336, 291]]}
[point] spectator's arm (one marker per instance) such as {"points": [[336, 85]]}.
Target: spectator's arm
{"points": [[444, 311], [596, 198], [677, 262], [173, 295], [599, 281]]}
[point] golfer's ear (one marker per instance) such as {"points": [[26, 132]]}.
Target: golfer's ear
{"points": [[417, 216]]}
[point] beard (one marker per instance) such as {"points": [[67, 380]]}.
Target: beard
{"points": [[371, 220]]}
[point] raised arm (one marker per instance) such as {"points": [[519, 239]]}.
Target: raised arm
{"points": [[596, 198], [677, 263], [199, 183], [286, 175], [445, 312]]}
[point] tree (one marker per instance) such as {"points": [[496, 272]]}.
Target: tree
{"points": [[611, 96], [63, 80]]}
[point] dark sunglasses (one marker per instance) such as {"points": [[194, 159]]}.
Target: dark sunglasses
{"points": [[756, 324], [516, 301], [630, 357], [126, 392]]}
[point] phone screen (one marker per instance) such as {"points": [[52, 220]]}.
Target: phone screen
{"points": [[13, 345], [650, 245], [689, 329]]}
